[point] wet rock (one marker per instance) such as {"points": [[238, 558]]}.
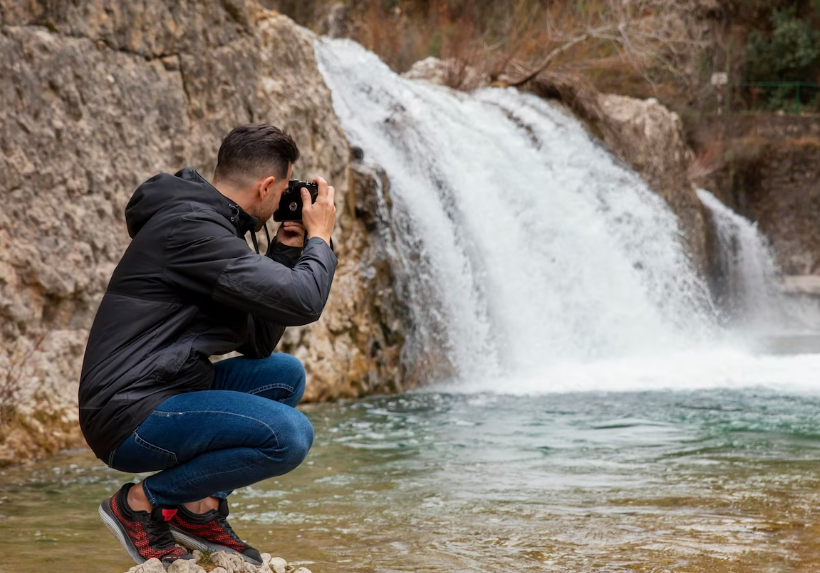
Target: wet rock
{"points": [[449, 72], [302, 570]]}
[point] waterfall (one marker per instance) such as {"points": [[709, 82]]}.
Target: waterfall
{"points": [[526, 243], [749, 286]]}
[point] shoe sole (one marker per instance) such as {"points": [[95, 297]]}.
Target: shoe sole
{"points": [[191, 542], [113, 524]]}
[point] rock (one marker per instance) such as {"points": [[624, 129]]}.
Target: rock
{"points": [[185, 566], [807, 285], [450, 72], [650, 138], [302, 570], [278, 565], [218, 570], [150, 566], [81, 132], [232, 562]]}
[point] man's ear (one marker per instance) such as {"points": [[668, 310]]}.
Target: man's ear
{"points": [[266, 187]]}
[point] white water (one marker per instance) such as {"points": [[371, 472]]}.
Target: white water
{"points": [[752, 286], [530, 255]]}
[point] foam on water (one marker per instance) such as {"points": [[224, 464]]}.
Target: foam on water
{"points": [[531, 254]]}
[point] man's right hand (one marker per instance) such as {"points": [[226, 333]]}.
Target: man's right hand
{"points": [[319, 217]]}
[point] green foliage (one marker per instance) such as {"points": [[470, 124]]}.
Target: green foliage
{"points": [[791, 53]]}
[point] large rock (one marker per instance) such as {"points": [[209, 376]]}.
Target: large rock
{"points": [[95, 97]]}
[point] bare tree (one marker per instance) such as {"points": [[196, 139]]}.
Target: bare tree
{"points": [[653, 36]]}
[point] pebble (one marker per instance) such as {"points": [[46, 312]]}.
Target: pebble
{"points": [[150, 566], [278, 564], [185, 566], [225, 563], [231, 562]]}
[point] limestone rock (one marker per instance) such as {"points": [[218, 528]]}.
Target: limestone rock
{"points": [[450, 72], [231, 562], [277, 564], [150, 566], [98, 96], [185, 566], [302, 570], [219, 570]]}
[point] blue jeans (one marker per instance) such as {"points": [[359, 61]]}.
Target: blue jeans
{"points": [[244, 430]]}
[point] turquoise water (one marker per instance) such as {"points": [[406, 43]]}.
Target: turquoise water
{"points": [[710, 480]]}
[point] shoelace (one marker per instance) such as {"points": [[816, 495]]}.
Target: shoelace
{"points": [[159, 535], [222, 521]]}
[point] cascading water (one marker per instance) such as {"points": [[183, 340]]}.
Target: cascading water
{"points": [[750, 287], [530, 253]]}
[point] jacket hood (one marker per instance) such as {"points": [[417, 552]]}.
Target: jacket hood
{"points": [[185, 186]]}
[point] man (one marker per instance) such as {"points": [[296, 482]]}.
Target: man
{"points": [[189, 287]]}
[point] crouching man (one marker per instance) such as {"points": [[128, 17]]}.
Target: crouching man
{"points": [[189, 287]]}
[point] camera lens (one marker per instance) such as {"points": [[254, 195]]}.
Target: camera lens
{"points": [[293, 206]]}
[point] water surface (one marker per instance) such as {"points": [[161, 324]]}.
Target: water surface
{"points": [[708, 480]]}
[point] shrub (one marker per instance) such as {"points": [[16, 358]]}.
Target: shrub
{"points": [[791, 53]]}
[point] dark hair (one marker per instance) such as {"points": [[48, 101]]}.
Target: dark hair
{"points": [[254, 151]]}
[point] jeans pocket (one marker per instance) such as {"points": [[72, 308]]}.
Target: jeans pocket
{"points": [[136, 455]]}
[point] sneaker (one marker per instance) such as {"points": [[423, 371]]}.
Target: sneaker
{"points": [[211, 531], [144, 535]]}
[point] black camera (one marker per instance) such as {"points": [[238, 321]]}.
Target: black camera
{"points": [[290, 205]]}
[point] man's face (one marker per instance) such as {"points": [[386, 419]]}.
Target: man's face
{"points": [[270, 203]]}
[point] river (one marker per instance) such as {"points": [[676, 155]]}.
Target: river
{"points": [[706, 480]]}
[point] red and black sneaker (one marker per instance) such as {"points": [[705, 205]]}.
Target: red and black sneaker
{"points": [[211, 531], [144, 535]]}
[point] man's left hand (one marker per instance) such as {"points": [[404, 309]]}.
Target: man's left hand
{"points": [[291, 233]]}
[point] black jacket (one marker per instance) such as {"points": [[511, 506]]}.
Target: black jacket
{"points": [[188, 287]]}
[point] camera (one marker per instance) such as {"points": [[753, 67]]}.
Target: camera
{"points": [[290, 205]]}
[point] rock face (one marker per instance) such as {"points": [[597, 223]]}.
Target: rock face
{"points": [[768, 170], [97, 96]]}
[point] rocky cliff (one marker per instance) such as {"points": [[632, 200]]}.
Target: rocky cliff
{"points": [[767, 168], [98, 95]]}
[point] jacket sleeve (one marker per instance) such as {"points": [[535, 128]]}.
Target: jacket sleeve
{"points": [[204, 256], [263, 335]]}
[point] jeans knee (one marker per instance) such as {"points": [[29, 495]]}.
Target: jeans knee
{"points": [[291, 443], [289, 369]]}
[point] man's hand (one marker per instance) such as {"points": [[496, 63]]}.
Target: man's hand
{"points": [[319, 217], [291, 233]]}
